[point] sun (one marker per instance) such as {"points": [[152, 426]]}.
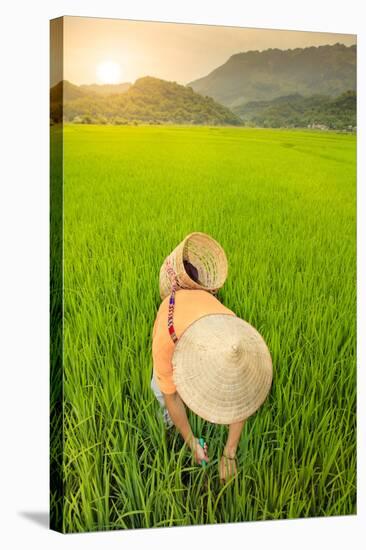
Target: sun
{"points": [[109, 72]]}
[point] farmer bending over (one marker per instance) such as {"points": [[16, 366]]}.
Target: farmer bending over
{"points": [[209, 359]]}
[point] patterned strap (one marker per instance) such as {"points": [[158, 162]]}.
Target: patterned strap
{"points": [[175, 285], [173, 279]]}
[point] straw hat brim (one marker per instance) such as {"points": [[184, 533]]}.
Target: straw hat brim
{"points": [[222, 368]]}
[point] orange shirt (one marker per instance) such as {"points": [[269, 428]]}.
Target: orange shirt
{"points": [[190, 305]]}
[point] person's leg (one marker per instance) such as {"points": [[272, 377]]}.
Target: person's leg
{"points": [[159, 396]]}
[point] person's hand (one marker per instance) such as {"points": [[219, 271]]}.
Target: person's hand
{"points": [[227, 468], [200, 453]]}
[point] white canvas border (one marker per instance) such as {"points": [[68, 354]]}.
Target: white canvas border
{"points": [[24, 272]]}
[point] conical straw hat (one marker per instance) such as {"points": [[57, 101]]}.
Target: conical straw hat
{"points": [[205, 254], [222, 368]]}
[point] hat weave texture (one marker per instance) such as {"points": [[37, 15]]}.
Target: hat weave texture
{"points": [[222, 368], [205, 254]]}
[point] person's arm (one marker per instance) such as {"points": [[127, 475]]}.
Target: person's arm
{"points": [[228, 463], [233, 437], [178, 414]]}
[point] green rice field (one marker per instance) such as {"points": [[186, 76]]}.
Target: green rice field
{"points": [[283, 206]]}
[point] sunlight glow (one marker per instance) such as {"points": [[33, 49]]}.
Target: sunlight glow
{"points": [[109, 72]]}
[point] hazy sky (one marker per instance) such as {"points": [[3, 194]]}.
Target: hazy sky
{"points": [[94, 48]]}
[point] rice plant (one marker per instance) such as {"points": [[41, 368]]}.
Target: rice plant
{"points": [[283, 206]]}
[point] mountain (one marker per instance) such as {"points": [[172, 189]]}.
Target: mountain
{"points": [[105, 89], [298, 111], [66, 90], [255, 75], [148, 100], [72, 91], [62, 91]]}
